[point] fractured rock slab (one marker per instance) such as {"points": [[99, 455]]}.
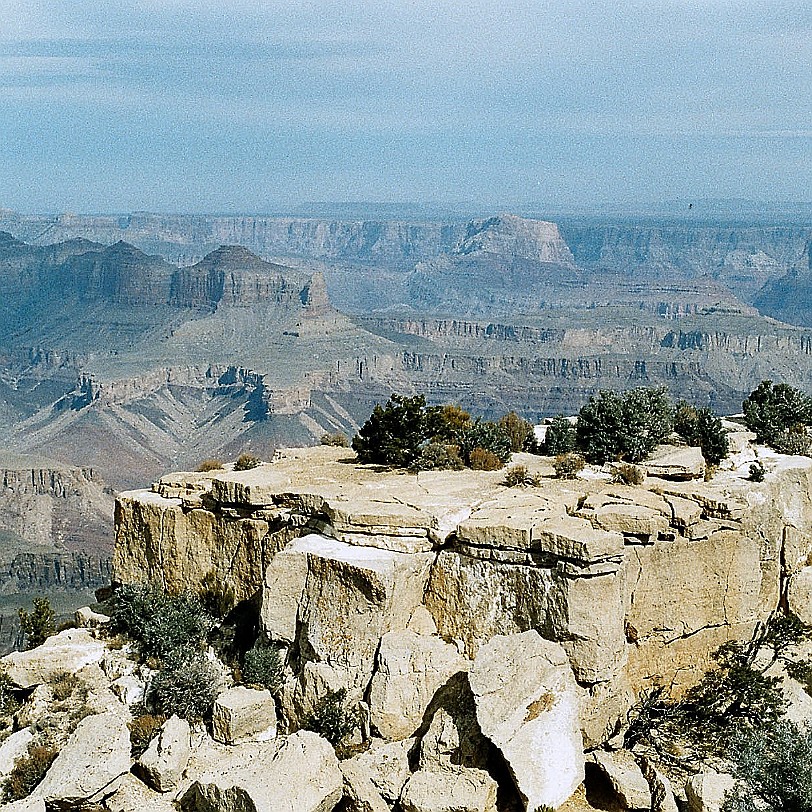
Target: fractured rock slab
{"points": [[455, 790], [410, 668], [626, 777], [163, 762], [527, 705]]}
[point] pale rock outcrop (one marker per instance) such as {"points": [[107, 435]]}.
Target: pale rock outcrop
{"points": [[409, 670], [129, 689], [375, 591], [298, 772], [128, 794], [461, 789], [627, 779], [706, 791], [163, 762], [241, 713], [86, 618], [675, 462], [662, 794], [360, 794], [527, 705], [379, 772], [96, 754], [799, 595], [29, 804], [66, 652], [12, 748]]}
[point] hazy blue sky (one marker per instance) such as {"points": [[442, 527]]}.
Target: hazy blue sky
{"points": [[190, 105]]}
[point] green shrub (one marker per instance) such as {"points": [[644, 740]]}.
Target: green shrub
{"points": [[519, 432], [567, 466], [38, 625], [518, 476], [262, 665], [439, 457], [453, 420], [63, 685], [247, 461], [395, 433], [757, 472], [209, 465], [629, 474], [9, 700], [487, 436], [187, 685], [624, 426], [331, 718], [338, 440], [771, 410], [159, 623], [701, 427], [29, 770], [560, 437], [774, 768], [794, 440], [480, 459]]}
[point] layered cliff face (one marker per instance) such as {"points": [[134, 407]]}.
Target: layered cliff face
{"points": [[788, 297], [639, 585]]}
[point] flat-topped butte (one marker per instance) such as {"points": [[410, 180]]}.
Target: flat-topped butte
{"points": [[639, 584]]}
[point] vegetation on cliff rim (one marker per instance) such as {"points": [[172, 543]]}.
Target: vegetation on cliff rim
{"points": [[779, 415], [39, 624]]}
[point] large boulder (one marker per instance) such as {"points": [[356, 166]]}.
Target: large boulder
{"points": [[706, 791], [378, 774], [240, 713], [410, 668], [128, 794], [627, 779], [163, 762], [95, 755], [675, 462], [66, 652], [461, 789], [527, 705], [298, 772], [12, 748]]}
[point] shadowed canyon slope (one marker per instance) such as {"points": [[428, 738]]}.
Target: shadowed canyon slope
{"points": [[127, 362]]}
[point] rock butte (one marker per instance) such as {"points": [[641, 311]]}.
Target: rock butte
{"points": [[638, 584]]}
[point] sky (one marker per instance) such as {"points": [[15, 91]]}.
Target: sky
{"points": [[241, 106]]}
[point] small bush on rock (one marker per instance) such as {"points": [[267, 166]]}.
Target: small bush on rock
{"points": [[29, 770], [159, 623], [187, 685], [629, 474], [480, 459], [247, 461], [38, 625], [209, 465], [518, 476], [757, 472], [143, 729], [487, 436], [439, 457], [567, 466], [262, 665], [794, 440], [331, 718], [338, 440], [216, 595]]}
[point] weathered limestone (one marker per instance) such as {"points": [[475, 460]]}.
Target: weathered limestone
{"points": [[626, 777], [374, 591], [799, 595], [675, 462], [298, 772], [163, 762], [128, 794], [29, 804], [69, 651], [240, 713], [409, 670], [12, 748], [96, 754], [86, 618], [527, 705], [460, 790], [706, 791], [374, 779]]}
